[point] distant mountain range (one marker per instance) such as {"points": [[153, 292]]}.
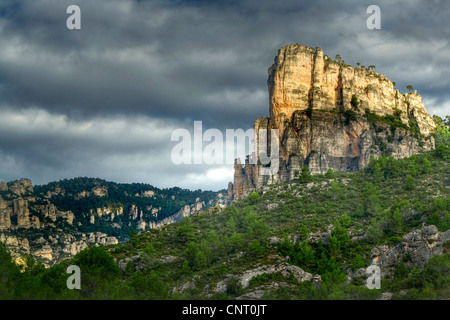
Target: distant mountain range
{"points": [[57, 220]]}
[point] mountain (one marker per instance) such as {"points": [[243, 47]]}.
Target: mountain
{"points": [[308, 238], [56, 221], [364, 182], [331, 115]]}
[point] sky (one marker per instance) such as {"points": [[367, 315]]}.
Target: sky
{"points": [[103, 101]]}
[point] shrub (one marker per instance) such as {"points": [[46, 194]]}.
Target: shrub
{"points": [[255, 248], [97, 261], [234, 287], [410, 182], [254, 197], [354, 102], [330, 174]]}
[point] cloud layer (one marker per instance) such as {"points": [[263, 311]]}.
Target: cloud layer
{"points": [[102, 101]]}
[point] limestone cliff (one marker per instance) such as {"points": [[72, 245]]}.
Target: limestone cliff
{"points": [[333, 116], [302, 77], [32, 225], [58, 220]]}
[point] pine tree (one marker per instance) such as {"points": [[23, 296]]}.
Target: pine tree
{"points": [[397, 222], [305, 175], [410, 183], [426, 166]]}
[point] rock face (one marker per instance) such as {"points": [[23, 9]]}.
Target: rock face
{"points": [[15, 214], [21, 187], [53, 248], [186, 211], [32, 223], [284, 269], [332, 116], [419, 245]]}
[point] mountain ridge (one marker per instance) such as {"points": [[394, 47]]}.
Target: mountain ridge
{"points": [[310, 238], [59, 219]]}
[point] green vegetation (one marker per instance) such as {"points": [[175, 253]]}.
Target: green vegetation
{"points": [[350, 115], [305, 175], [394, 121], [354, 102], [431, 282], [414, 127], [117, 195], [378, 205], [442, 137]]}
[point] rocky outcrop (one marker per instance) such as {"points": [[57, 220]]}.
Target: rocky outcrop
{"points": [[3, 186], [146, 194], [331, 116], [107, 213], [15, 214], [186, 211], [5, 215], [284, 269], [21, 187], [99, 191], [32, 222], [30, 225], [302, 77], [415, 249], [53, 248]]}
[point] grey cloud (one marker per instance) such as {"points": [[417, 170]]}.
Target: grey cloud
{"points": [[180, 61]]}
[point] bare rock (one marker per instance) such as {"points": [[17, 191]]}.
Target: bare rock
{"points": [[21, 187], [419, 246], [272, 206], [318, 106], [252, 295], [168, 259], [386, 296], [298, 273], [3, 186]]}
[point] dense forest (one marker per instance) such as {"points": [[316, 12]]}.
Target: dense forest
{"points": [[170, 200], [65, 195]]}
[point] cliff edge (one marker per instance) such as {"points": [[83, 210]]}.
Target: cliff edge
{"points": [[331, 115]]}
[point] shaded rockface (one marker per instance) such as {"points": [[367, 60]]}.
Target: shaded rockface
{"points": [[332, 116], [31, 223], [414, 250]]}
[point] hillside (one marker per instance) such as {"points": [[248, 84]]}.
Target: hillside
{"points": [[55, 221], [309, 238]]}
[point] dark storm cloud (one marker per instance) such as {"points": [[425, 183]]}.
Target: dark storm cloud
{"points": [[121, 63], [90, 102]]}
